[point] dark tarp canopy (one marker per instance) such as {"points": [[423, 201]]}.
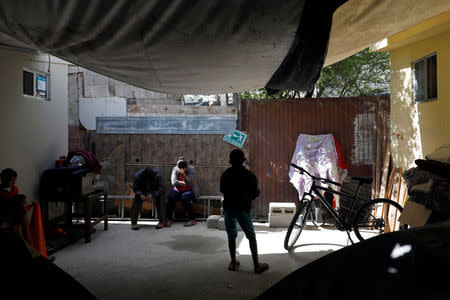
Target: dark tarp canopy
{"points": [[208, 46], [186, 47]]}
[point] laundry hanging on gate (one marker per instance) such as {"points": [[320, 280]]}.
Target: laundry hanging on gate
{"points": [[321, 156]]}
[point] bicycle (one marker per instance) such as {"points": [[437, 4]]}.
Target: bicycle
{"points": [[376, 214]]}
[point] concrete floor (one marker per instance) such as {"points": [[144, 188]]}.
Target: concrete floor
{"points": [[187, 263]]}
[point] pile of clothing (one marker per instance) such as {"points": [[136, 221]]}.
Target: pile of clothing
{"points": [[428, 184], [321, 156], [83, 158]]}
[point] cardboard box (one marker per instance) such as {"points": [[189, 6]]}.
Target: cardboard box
{"points": [[414, 214]]}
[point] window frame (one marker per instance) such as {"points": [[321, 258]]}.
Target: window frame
{"points": [[425, 78], [36, 94]]}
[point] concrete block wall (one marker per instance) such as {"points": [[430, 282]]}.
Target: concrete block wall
{"points": [[95, 85], [78, 138]]}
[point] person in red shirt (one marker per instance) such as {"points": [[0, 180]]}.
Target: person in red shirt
{"points": [[184, 189], [8, 186], [9, 193]]}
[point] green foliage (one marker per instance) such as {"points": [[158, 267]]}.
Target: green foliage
{"points": [[363, 74], [179, 97], [263, 94]]}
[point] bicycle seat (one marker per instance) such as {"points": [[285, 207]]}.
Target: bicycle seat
{"points": [[362, 180]]}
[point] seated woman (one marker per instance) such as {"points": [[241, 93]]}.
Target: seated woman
{"points": [[184, 189]]}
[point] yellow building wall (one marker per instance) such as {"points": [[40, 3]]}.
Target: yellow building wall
{"points": [[422, 127]]}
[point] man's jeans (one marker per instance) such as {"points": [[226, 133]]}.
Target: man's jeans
{"points": [[186, 198]]}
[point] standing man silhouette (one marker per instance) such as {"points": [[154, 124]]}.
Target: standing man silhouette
{"points": [[240, 187]]}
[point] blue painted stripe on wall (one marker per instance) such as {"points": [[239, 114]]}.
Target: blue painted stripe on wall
{"points": [[166, 125]]}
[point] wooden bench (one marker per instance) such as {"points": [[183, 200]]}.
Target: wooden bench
{"points": [[130, 197], [206, 204]]}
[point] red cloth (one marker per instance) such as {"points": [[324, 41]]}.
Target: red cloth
{"points": [[341, 159], [342, 164], [182, 188]]}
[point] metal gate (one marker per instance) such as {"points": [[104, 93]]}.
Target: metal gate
{"points": [[273, 127]]}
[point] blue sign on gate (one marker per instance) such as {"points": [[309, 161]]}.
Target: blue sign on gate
{"points": [[236, 138]]}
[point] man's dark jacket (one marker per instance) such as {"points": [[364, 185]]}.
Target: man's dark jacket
{"points": [[148, 181], [239, 187]]}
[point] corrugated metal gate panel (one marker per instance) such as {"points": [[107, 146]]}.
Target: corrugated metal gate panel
{"points": [[273, 127]]}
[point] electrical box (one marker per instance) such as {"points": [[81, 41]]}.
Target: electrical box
{"points": [[281, 214]]}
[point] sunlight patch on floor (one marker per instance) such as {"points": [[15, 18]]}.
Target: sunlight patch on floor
{"points": [[312, 239]]}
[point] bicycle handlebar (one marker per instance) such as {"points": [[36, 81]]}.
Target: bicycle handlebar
{"points": [[324, 180]]}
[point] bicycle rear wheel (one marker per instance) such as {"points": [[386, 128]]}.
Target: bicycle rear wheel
{"points": [[297, 224], [377, 217]]}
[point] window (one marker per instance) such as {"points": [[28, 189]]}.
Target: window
{"points": [[36, 84], [28, 79], [425, 79]]}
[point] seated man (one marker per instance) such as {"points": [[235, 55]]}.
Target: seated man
{"points": [[148, 185], [185, 189]]}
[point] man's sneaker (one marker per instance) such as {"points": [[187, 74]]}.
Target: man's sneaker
{"points": [[169, 223], [190, 223], [135, 226], [161, 224]]}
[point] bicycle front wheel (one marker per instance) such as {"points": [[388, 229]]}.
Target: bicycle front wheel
{"points": [[297, 224], [377, 217]]}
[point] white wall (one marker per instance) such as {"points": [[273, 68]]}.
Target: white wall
{"points": [[33, 131], [91, 108]]}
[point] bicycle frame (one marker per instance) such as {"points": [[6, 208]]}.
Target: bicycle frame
{"points": [[315, 191]]}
